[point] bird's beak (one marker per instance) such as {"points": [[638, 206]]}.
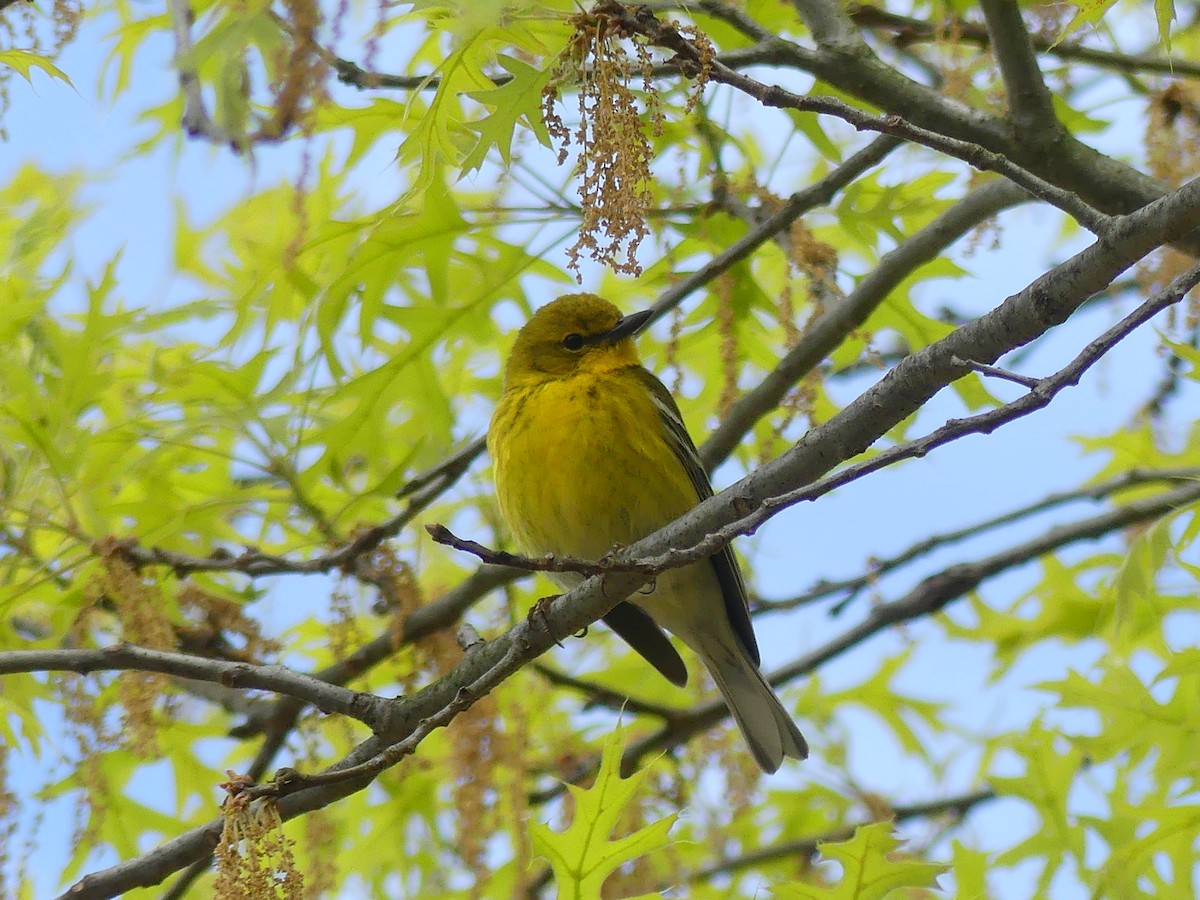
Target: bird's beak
{"points": [[627, 326]]}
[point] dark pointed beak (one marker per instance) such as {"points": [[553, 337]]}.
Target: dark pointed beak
{"points": [[627, 326]]}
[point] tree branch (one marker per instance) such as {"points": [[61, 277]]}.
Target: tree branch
{"points": [[750, 515], [642, 21], [932, 595], [280, 715], [1102, 182], [827, 332], [277, 718], [1030, 106], [817, 194], [908, 30], [929, 597], [600, 696], [853, 586], [405, 722], [957, 806], [196, 121], [830, 25], [244, 676]]}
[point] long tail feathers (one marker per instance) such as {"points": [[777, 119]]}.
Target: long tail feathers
{"points": [[766, 725]]}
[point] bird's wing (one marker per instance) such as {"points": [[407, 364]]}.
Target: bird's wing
{"points": [[733, 588], [639, 631]]}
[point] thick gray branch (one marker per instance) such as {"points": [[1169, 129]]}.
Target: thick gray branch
{"points": [[1030, 107], [830, 24]]}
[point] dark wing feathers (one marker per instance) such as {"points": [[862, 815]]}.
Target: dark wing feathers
{"points": [[640, 632], [733, 588]]}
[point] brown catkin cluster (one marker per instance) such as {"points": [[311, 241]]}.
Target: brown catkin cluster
{"points": [[141, 611], [344, 631], [817, 259], [218, 626], [800, 399], [320, 841], [671, 350], [1173, 155], [254, 857], [513, 766], [84, 710], [474, 738], [955, 67], [615, 153], [304, 69], [730, 358]]}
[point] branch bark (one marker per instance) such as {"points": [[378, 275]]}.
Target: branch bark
{"points": [[126, 657], [827, 332], [1030, 106]]}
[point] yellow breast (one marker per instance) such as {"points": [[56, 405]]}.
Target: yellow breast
{"points": [[581, 464]]}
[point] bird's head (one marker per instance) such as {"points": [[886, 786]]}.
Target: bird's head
{"points": [[575, 333]]}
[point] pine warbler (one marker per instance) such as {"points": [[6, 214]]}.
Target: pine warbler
{"points": [[589, 450]]}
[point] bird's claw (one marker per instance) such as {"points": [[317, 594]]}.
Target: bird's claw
{"points": [[537, 615]]}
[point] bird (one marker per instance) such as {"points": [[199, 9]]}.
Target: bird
{"points": [[590, 451]]}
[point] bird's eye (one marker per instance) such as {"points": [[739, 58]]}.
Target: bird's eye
{"points": [[573, 341]]}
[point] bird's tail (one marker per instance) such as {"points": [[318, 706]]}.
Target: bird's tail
{"points": [[766, 725]]}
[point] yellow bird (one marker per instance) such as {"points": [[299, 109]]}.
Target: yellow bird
{"points": [[590, 450]]}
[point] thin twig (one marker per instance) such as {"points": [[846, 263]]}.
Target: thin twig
{"points": [[957, 806], [908, 30], [196, 120], [420, 492], [1027, 381], [817, 194], [823, 335], [600, 696], [851, 587]]}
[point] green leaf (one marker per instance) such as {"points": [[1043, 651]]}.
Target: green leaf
{"points": [[1051, 769], [970, 873], [513, 102], [585, 854], [368, 124], [1090, 12], [1164, 14], [24, 62], [1134, 581], [437, 126], [871, 869]]}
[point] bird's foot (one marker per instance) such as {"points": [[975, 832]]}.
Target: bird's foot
{"points": [[537, 615]]}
